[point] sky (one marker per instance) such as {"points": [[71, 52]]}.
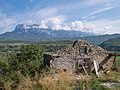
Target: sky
{"points": [[98, 16]]}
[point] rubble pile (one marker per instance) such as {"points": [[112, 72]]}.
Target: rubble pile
{"points": [[79, 58]]}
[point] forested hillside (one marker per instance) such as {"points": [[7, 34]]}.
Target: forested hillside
{"points": [[112, 44], [99, 39]]}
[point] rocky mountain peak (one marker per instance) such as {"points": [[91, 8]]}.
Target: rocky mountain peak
{"points": [[36, 32], [27, 26]]}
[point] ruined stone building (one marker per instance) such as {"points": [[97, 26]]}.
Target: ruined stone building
{"points": [[79, 58]]}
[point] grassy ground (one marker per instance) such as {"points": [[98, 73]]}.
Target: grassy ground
{"points": [[117, 62]]}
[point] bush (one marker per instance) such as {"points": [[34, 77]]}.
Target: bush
{"points": [[18, 66], [29, 60]]}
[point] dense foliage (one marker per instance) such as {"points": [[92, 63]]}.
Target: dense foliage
{"points": [[27, 62]]}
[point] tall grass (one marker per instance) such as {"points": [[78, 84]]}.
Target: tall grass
{"points": [[47, 81], [91, 83], [21, 82], [117, 62], [62, 81], [59, 81]]}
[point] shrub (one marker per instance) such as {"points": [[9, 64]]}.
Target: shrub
{"points": [[29, 60], [18, 66]]}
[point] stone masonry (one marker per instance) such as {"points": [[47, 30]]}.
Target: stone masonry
{"points": [[79, 56]]}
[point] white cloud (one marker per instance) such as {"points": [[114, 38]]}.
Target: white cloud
{"points": [[58, 24], [98, 11], [98, 26], [105, 5], [83, 4], [76, 25], [36, 15], [50, 23], [52, 18], [46, 13], [6, 23], [108, 26]]}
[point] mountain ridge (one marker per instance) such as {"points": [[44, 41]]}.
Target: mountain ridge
{"points": [[35, 32], [98, 39]]}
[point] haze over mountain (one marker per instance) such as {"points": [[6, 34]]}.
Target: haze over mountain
{"points": [[36, 32]]}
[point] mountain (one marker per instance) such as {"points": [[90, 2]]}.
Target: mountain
{"points": [[98, 39], [112, 44], [35, 33]]}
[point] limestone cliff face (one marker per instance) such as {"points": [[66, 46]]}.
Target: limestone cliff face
{"points": [[80, 55]]}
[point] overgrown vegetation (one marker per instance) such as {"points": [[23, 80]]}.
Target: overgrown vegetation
{"points": [[16, 66], [93, 84], [23, 70], [117, 63]]}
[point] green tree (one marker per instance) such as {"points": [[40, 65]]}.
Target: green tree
{"points": [[29, 60]]}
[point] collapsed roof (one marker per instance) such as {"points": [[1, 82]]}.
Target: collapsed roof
{"points": [[82, 56]]}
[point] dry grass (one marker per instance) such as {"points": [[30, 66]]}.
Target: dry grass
{"points": [[7, 85], [26, 84], [53, 81], [111, 76], [62, 81], [49, 81]]}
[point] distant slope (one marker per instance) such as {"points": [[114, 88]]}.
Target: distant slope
{"points": [[112, 44], [99, 39]]}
